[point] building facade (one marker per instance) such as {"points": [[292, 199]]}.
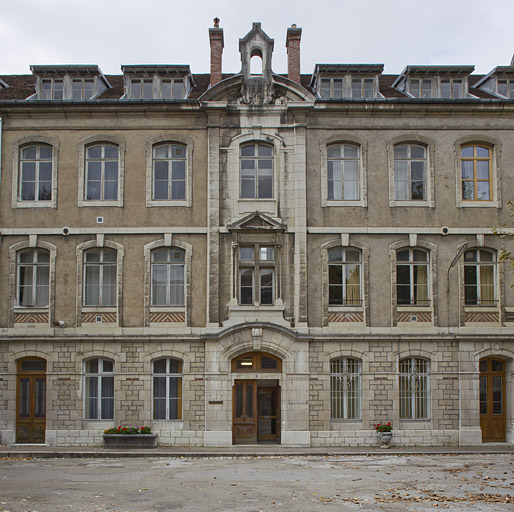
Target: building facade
{"points": [[254, 258]]}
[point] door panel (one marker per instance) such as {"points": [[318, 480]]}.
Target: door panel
{"points": [[244, 429], [268, 414], [492, 399], [31, 402]]}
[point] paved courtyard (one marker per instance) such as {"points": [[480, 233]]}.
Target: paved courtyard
{"points": [[412, 483]]}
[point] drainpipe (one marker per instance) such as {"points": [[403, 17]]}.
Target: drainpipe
{"points": [[0, 152]]}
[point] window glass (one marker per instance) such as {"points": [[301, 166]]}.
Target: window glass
{"points": [[167, 389], [36, 173], [476, 163], [168, 277], [100, 277], [102, 166], [414, 388], [169, 172], [479, 278], [33, 278], [99, 389], [345, 389], [343, 172], [256, 171], [410, 165], [344, 277], [412, 277]]}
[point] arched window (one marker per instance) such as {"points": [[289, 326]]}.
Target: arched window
{"points": [[344, 277], [412, 277], [167, 389], [99, 387], [410, 172], [33, 277], [169, 172], [100, 281], [477, 175], [256, 171], [256, 362], [345, 388], [168, 264], [343, 172], [36, 173], [102, 172], [479, 277], [414, 388]]}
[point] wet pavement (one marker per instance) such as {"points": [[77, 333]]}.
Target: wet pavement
{"points": [[265, 483]]}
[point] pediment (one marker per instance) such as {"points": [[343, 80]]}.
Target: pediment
{"points": [[234, 91], [257, 221]]}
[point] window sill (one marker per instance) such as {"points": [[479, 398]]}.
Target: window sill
{"points": [[413, 307], [345, 309], [177, 202], [100, 204], [412, 204], [31, 309], [478, 309], [97, 309], [478, 204], [359, 203], [34, 204]]}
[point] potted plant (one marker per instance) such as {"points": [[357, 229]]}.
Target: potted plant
{"points": [[385, 433], [129, 437]]}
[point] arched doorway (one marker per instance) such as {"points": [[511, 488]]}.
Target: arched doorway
{"points": [[492, 399], [31, 400], [256, 401]]}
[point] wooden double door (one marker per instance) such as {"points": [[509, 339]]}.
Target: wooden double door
{"points": [[492, 399], [256, 412], [31, 401]]}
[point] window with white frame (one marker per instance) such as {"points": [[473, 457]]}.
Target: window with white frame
{"points": [[343, 172], [344, 277], [412, 277], [452, 88], [35, 175], [414, 388], [331, 88], [33, 271], [169, 172], [168, 270], [479, 277], [363, 88], [256, 171], [167, 389], [506, 88], [102, 172], [345, 389], [477, 175], [52, 89], [410, 172], [172, 89], [420, 87], [256, 275], [157, 88], [100, 269], [99, 389], [141, 89], [82, 88]]}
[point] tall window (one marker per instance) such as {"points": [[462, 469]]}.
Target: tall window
{"points": [[256, 171], [167, 389], [414, 388], [479, 277], [345, 388], [168, 277], [33, 277], [100, 277], [476, 162], [343, 168], [36, 173], [99, 387], [102, 172], [412, 277], [344, 277], [169, 172], [410, 162], [256, 275]]}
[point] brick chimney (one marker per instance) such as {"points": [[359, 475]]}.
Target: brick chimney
{"points": [[294, 34], [216, 40]]}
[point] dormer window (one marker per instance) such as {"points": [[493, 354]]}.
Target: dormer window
{"points": [[166, 82], [451, 88], [76, 83], [420, 88], [506, 88], [362, 88], [52, 89], [332, 88]]}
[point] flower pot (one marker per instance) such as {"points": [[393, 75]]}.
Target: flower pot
{"points": [[123, 441], [385, 439]]}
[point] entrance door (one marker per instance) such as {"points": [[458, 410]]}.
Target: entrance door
{"points": [[244, 429], [492, 399], [31, 401], [268, 410], [256, 413]]}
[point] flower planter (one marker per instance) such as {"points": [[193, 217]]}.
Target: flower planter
{"points": [[385, 439], [130, 441]]}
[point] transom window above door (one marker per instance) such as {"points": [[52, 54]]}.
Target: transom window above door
{"points": [[256, 362]]}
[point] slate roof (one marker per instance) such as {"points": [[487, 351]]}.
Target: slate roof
{"points": [[21, 87]]}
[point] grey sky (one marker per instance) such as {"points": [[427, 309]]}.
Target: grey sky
{"points": [[115, 32]]}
